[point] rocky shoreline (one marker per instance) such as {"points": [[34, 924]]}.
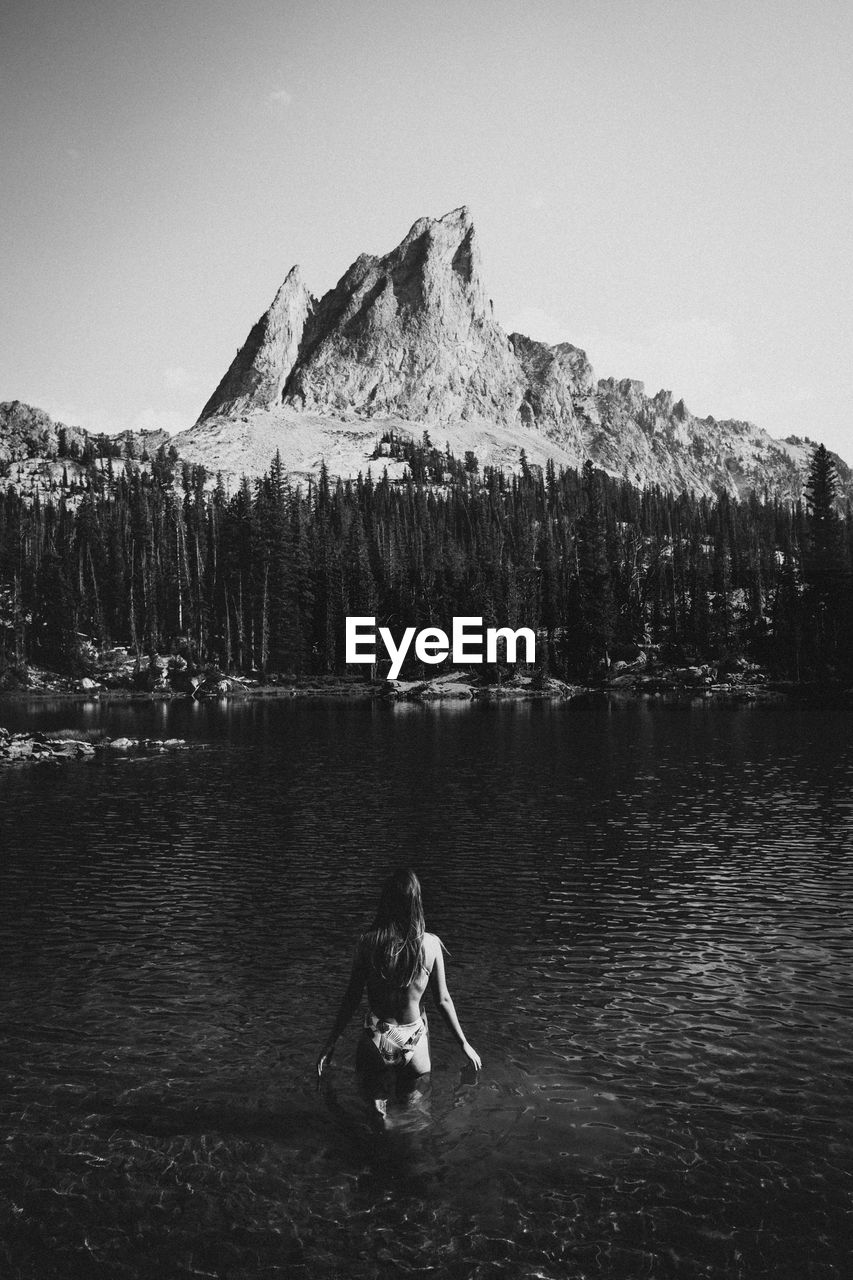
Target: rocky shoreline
{"points": [[167, 678], [74, 744], [118, 675], [455, 686]]}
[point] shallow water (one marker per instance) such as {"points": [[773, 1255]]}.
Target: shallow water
{"points": [[648, 912]]}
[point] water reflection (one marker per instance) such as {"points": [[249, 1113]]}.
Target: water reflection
{"points": [[647, 908]]}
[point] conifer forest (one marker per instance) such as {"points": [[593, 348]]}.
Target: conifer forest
{"points": [[259, 581]]}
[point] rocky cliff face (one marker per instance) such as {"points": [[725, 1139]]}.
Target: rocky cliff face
{"points": [[408, 340], [257, 375], [410, 334], [559, 392], [28, 433]]}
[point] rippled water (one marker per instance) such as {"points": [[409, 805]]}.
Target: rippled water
{"points": [[648, 910]]}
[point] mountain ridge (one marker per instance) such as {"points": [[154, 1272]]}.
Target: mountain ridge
{"points": [[409, 339]]}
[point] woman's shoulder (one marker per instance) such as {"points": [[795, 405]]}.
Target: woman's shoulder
{"points": [[432, 946]]}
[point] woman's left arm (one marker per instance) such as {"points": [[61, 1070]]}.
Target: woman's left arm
{"points": [[349, 1004]]}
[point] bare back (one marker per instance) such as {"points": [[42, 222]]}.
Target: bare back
{"points": [[401, 1004]]}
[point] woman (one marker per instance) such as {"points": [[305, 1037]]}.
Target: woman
{"points": [[397, 960]]}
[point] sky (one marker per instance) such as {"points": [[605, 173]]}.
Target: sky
{"points": [[665, 183]]}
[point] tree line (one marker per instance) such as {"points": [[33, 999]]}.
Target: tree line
{"points": [[261, 580]]}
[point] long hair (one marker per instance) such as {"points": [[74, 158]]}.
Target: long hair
{"points": [[394, 942]]}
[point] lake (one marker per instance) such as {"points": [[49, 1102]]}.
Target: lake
{"points": [[647, 906]]}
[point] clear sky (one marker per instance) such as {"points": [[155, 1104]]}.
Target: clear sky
{"points": [[666, 183]]}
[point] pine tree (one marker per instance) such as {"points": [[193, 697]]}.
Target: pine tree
{"points": [[595, 594], [823, 561]]}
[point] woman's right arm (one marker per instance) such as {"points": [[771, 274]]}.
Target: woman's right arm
{"points": [[349, 1003], [446, 1007]]}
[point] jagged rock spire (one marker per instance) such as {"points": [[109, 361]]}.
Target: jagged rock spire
{"points": [[260, 369], [410, 334]]}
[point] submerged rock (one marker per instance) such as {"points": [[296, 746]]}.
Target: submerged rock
{"points": [[72, 745]]}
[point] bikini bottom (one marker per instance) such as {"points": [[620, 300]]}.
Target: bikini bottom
{"points": [[395, 1042]]}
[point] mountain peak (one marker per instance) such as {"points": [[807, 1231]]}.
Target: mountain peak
{"points": [[409, 333], [447, 241], [410, 337], [458, 222], [257, 374]]}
